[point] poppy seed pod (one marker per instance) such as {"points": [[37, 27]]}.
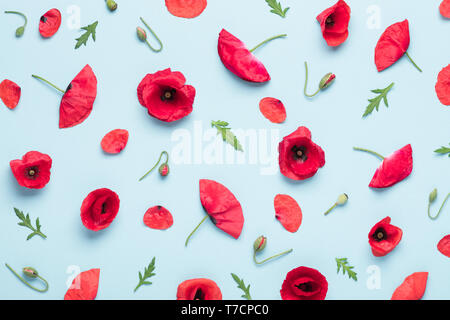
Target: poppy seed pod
{"points": [[260, 244], [342, 199], [327, 80], [111, 4], [142, 35], [30, 272]]}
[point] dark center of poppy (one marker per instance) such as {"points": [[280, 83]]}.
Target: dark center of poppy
{"points": [[379, 234], [69, 87], [306, 287], [299, 152], [32, 172], [44, 19], [168, 94], [104, 208], [199, 294], [330, 21]]}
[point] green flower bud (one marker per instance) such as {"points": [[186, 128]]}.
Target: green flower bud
{"points": [[260, 243], [432, 196], [112, 5], [327, 80], [20, 31], [141, 34], [164, 169], [30, 272], [342, 199]]}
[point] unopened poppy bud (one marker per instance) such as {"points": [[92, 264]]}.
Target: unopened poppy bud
{"points": [[164, 169], [327, 80], [259, 244], [111, 4], [20, 31], [141, 34], [433, 195], [342, 199], [30, 272]]}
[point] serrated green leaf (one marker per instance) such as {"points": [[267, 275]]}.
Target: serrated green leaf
{"points": [[443, 150], [375, 102], [148, 272], [343, 263], [26, 222], [227, 135], [276, 8], [90, 31], [241, 285]]}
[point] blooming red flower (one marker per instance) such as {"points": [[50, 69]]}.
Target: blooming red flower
{"points": [[273, 109], [33, 170], [444, 246], [334, 23], [78, 100], [223, 208], [186, 8], [158, 217], [99, 209], [444, 8], [166, 96], [10, 93], [84, 286], [304, 283], [50, 23], [392, 45], [115, 141], [412, 288], [384, 237], [238, 59], [288, 212], [198, 289], [443, 86], [299, 157]]}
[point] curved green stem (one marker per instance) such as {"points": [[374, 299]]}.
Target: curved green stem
{"points": [[369, 151], [306, 84], [20, 14], [270, 39], [154, 35], [272, 257], [48, 82], [193, 231], [415, 65], [27, 283], [329, 210], [440, 209], [160, 156]]}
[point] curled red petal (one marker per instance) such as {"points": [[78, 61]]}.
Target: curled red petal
{"points": [[78, 101], [186, 8], [304, 283], [222, 207], [273, 109], [10, 93], [99, 209], [442, 86], [444, 246], [239, 60], [33, 170], [392, 45], [393, 169], [84, 286], [334, 23], [288, 212], [50, 23], [444, 8], [198, 289], [158, 217], [412, 288], [115, 141]]}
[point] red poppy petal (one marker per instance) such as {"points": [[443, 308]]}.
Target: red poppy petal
{"points": [[239, 60], [198, 289], [50, 23], [392, 45], [115, 141], [393, 169], [288, 212], [99, 209], [158, 217], [78, 101], [444, 8], [186, 8], [84, 286], [222, 206], [443, 86], [337, 32], [412, 288], [335, 39], [10, 93], [273, 109], [444, 246]]}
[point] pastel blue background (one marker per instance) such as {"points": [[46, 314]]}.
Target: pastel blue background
{"points": [[120, 61]]}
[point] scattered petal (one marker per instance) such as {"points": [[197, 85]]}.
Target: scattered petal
{"points": [[288, 212], [444, 246], [273, 109], [84, 286], [186, 8], [392, 45], [443, 86], [115, 141], [158, 218], [444, 8], [412, 288], [50, 23], [10, 93]]}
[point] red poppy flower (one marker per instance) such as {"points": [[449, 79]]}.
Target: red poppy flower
{"points": [[304, 283], [238, 59], [158, 217], [84, 286], [288, 212], [115, 141], [334, 23], [299, 157], [412, 288], [186, 8], [384, 237], [444, 8], [392, 45], [78, 100], [50, 23], [33, 170], [443, 86], [444, 246], [10, 93], [273, 109], [166, 96], [99, 209], [198, 289]]}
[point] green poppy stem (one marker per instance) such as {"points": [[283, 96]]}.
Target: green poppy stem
{"points": [[20, 14], [440, 209], [329, 210], [415, 65], [306, 84], [48, 82], [154, 35], [272, 257], [27, 283], [193, 231], [160, 156], [270, 39], [369, 151]]}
